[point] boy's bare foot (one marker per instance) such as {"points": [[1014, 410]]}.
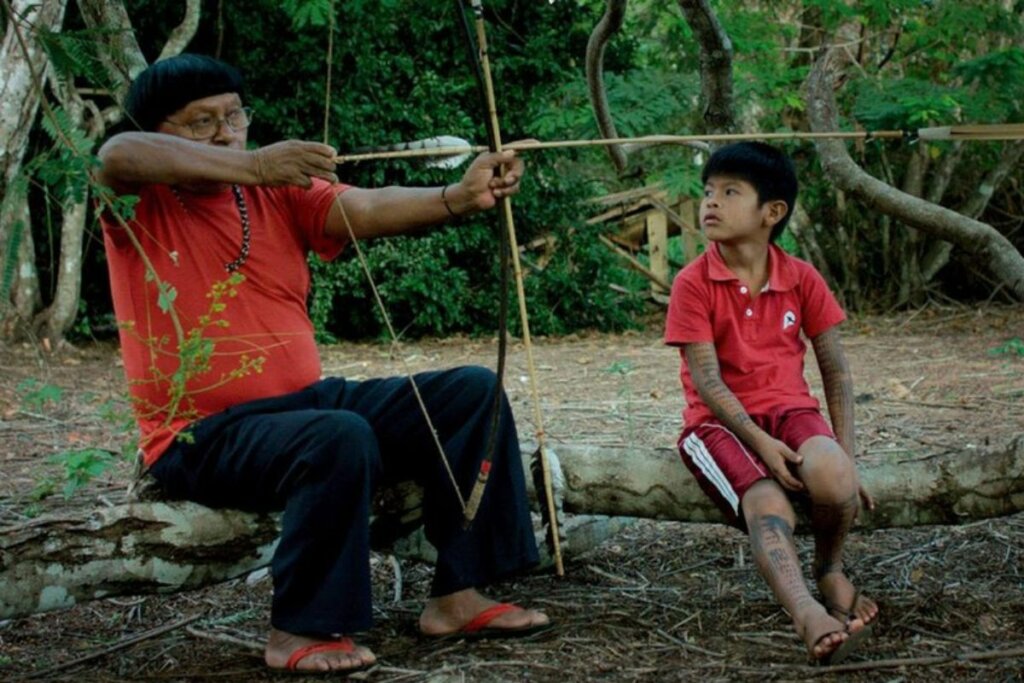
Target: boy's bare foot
{"points": [[284, 651], [844, 601], [822, 633], [449, 614]]}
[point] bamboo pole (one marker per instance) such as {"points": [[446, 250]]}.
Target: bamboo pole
{"points": [[506, 207]]}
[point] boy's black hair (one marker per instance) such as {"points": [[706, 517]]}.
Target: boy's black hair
{"points": [[767, 168], [168, 85]]}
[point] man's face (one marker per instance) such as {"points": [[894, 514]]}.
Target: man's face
{"points": [[215, 120]]}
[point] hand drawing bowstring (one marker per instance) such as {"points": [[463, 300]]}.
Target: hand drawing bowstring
{"points": [[508, 246]]}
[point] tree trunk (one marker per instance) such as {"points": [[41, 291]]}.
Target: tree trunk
{"points": [[19, 280], [984, 244], [124, 60], [55, 321], [23, 65], [56, 561]]}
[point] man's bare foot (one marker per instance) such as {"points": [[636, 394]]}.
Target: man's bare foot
{"points": [[844, 602], [336, 655], [822, 633], [449, 614]]}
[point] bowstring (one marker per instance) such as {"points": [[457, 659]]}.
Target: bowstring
{"points": [[397, 345], [361, 257]]}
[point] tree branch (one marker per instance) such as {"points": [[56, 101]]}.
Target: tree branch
{"points": [[982, 242], [607, 27], [715, 66]]}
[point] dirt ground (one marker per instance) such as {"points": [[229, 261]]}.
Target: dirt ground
{"points": [[660, 601]]}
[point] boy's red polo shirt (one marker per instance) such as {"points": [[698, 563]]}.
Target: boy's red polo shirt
{"points": [[760, 350]]}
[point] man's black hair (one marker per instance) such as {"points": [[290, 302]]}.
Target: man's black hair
{"points": [[767, 168], [168, 85]]}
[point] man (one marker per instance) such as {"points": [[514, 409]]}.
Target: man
{"points": [[210, 283]]}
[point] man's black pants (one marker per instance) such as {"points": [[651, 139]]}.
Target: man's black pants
{"points": [[317, 454]]}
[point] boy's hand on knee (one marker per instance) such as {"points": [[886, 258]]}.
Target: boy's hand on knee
{"points": [[777, 456]]}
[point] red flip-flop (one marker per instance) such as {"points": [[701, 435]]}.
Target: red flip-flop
{"points": [[479, 627], [345, 645]]}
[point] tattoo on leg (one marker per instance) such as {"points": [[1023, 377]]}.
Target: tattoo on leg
{"points": [[774, 549], [831, 524]]}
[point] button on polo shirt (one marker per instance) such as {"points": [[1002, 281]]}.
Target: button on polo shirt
{"points": [[758, 342]]}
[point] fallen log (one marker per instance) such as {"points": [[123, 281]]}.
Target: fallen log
{"points": [[942, 489], [159, 547]]}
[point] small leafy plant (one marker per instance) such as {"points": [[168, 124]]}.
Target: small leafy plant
{"points": [[1011, 347], [36, 395], [82, 466]]}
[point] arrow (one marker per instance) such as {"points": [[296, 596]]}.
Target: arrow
{"points": [[964, 132]]}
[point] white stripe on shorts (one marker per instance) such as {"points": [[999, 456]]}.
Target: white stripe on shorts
{"points": [[700, 456]]}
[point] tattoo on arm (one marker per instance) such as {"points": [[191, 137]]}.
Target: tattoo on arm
{"points": [[838, 384], [702, 360]]}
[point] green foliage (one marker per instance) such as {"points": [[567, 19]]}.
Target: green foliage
{"points": [[76, 54], [81, 466], [197, 345], [121, 206], [445, 281], [788, 243], [583, 286], [997, 89], [66, 170], [620, 367], [36, 395], [78, 466], [308, 13], [922, 63], [908, 104], [167, 295], [1011, 347]]}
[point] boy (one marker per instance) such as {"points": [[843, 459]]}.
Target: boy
{"points": [[753, 434]]}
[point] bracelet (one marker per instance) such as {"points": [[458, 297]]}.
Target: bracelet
{"points": [[445, 201], [260, 178]]}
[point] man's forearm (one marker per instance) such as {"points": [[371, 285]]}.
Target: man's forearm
{"points": [[133, 159], [394, 210]]}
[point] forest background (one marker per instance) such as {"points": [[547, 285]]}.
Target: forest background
{"points": [[895, 225], [400, 70]]}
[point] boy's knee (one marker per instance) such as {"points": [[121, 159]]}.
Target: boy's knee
{"points": [[828, 473], [766, 499]]}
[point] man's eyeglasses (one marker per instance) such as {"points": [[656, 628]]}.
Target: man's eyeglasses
{"points": [[206, 127]]}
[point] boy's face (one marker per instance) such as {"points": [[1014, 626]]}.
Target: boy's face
{"points": [[731, 211]]}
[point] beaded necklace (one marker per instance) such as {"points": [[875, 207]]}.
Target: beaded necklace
{"points": [[243, 213]]}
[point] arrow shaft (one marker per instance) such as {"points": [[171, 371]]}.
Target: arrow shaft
{"points": [[983, 132]]}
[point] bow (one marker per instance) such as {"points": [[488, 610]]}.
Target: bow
{"points": [[509, 247]]}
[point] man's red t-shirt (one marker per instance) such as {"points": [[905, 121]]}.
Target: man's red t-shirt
{"points": [[760, 351], [263, 343]]}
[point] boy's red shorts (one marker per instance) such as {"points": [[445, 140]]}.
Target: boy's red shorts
{"points": [[725, 467]]}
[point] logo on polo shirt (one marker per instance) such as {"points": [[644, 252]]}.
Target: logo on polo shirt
{"points": [[788, 320]]}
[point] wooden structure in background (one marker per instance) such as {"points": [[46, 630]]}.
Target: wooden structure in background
{"points": [[648, 216]]}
